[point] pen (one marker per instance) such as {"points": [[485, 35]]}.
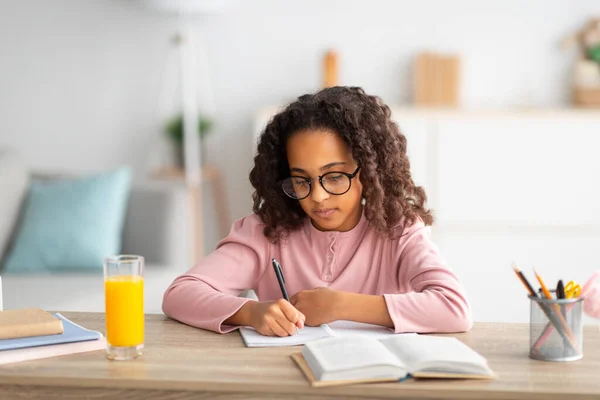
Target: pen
{"points": [[560, 290], [560, 294], [280, 279]]}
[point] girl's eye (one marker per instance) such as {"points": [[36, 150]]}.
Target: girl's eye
{"points": [[333, 178], [300, 182]]}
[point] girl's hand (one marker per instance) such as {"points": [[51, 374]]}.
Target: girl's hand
{"points": [[320, 305], [276, 318]]}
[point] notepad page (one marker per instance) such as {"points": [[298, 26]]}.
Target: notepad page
{"points": [[254, 339], [350, 328]]}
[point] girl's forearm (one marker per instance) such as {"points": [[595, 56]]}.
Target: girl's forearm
{"points": [[365, 308]]}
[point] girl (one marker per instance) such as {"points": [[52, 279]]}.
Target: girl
{"points": [[335, 204]]}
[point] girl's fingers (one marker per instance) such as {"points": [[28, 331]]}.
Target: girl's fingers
{"points": [[286, 316], [283, 319], [291, 313], [289, 327], [267, 331], [301, 320], [278, 329]]}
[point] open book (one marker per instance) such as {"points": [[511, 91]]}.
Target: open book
{"points": [[355, 359], [310, 333]]}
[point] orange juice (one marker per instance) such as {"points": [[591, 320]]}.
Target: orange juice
{"points": [[124, 310]]}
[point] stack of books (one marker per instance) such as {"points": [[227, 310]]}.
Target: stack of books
{"points": [[29, 334]]}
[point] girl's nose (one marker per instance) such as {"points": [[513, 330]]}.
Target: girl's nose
{"points": [[318, 194]]}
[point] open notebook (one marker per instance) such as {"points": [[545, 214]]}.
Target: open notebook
{"points": [[309, 333], [355, 359]]}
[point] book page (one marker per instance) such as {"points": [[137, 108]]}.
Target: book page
{"points": [[424, 353], [351, 357], [254, 339]]}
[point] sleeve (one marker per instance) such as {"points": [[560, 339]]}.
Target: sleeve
{"points": [[435, 301], [207, 294]]}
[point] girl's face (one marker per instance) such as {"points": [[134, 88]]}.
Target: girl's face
{"points": [[313, 153]]}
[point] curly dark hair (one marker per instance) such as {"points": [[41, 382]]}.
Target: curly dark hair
{"points": [[376, 143]]}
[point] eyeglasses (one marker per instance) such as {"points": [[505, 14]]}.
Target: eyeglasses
{"points": [[336, 183]]}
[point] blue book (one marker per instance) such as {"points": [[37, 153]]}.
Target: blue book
{"points": [[72, 333]]}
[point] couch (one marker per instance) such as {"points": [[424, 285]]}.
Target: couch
{"points": [[155, 227]]}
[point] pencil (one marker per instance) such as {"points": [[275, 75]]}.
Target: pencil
{"points": [[525, 282], [543, 285]]}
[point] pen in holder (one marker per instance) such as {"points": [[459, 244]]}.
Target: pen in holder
{"points": [[565, 341]]}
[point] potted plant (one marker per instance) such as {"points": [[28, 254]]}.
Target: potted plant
{"points": [[174, 131]]}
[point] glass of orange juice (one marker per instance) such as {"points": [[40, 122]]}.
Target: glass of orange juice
{"points": [[124, 300]]}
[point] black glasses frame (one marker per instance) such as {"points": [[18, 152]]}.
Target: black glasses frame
{"points": [[320, 178]]}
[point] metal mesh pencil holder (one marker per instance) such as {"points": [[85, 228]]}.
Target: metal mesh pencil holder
{"points": [[556, 329]]}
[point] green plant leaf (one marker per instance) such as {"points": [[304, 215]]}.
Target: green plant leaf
{"points": [[594, 53], [174, 128]]}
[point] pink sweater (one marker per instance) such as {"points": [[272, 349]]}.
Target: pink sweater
{"points": [[421, 293]]}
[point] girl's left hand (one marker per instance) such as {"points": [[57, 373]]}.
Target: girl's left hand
{"points": [[320, 305]]}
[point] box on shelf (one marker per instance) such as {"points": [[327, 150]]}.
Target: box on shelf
{"points": [[436, 80]]}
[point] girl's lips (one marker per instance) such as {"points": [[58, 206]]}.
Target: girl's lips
{"points": [[324, 213]]}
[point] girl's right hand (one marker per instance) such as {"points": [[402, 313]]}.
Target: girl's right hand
{"points": [[276, 318]]}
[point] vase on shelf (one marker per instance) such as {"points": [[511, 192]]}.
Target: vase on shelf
{"points": [[586, 84], [586, 72]]}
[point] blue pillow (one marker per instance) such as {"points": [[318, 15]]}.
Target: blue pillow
{"points": [[71, 224]]}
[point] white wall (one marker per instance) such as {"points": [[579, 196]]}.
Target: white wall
{"points": [[80, 81]]}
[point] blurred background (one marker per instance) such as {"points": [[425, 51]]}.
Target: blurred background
{"points": [[500, 101]]}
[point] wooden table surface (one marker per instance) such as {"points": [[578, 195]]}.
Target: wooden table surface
{"points": [[181, 362]]}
